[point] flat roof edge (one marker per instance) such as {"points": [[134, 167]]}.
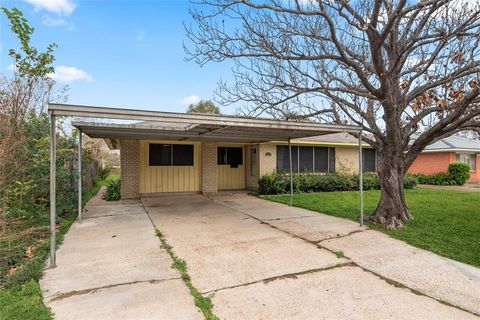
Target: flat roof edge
{"points": [[149, 115]]}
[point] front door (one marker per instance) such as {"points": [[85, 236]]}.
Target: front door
{"points": [[231, 167]]}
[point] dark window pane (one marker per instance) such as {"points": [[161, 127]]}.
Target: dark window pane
{"points": [[283, 162], [305, 159], [221, 155], [369, 164], [331, 159], [234, 156], [159, 154], [321, 159], [183, 155]]}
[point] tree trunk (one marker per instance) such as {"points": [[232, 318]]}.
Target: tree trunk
{"points": [[392, 210]]}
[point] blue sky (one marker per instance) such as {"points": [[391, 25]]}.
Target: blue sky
{"points": [[118, 53]]}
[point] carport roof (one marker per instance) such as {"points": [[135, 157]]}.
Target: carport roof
{"points": [[190, 126]]}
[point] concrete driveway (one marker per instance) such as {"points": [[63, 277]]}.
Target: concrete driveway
{"points": [[111, 266], [264, 260], [255, 259]]}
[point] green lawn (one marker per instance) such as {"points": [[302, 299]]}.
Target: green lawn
{"points": [[445, 222], [20, 293]]}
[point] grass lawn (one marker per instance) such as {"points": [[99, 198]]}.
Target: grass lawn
{"points": [[20, 293], [445, 222]]}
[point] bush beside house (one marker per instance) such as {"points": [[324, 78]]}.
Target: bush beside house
{"points": [[113, 190], [457, 174], [279, 183]]}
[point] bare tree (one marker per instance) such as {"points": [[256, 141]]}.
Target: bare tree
{"points": [[395, 67]]}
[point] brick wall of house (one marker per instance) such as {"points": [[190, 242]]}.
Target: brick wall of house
{"points": [[130, 168], [209, 167], [346, 160], [432, 162], [268, 159], [475, 175]]}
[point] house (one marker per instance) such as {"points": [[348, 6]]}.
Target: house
{"points": [[437, 156], [165, 152]]}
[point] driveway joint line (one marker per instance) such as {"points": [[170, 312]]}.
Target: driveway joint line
{"points": [[65, 295], [280, 277], [389, 281], [113, 215]]}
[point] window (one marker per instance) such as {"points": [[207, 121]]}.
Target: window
{"points": [[369, 160], [160, 154], [306, 159], [469, 159], [232, 156], [170, 154]]}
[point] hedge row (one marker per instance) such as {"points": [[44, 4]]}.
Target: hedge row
{"points": [[457, 174], [279, 183]]}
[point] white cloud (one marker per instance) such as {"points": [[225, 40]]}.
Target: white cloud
{"points": [[11, 67], [57, 22], [186, 101], [62, 7], [70, 74]]}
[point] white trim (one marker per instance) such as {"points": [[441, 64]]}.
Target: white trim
{"points": [[456, 150]]}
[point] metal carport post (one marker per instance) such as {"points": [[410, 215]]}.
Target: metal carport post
{"points": [[291, 170], [53, 202], [79, 165], [360, 175]]}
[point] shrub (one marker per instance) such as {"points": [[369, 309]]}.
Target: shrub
{"points": [[409, 182], [103, 173], [279, 183], [458, 174], [273, 183], [113, 190]]}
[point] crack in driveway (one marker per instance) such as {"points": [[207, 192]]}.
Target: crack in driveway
{"points": [[65, 295]]}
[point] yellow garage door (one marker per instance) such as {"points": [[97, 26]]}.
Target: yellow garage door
{"points": [[170, 167], [231, 167]]}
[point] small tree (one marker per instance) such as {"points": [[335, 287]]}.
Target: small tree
{"points": [[21, 98], [394, 67], [204, 106]]}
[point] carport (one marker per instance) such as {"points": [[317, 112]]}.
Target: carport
{"points": [[172, 126]]}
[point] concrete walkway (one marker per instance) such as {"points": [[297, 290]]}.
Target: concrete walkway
{"points": [[264, 260], [111, 266]]}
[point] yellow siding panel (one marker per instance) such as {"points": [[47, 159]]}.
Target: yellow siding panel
{"points": [[155, 179]]}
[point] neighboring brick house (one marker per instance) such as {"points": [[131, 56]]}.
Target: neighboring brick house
{"points": [[437, 156]]}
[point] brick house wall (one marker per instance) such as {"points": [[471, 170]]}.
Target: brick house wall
{"points": [[130, 169], [434, 162], [346, 160], [475, 175], [268, 159], [209, 167]]}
